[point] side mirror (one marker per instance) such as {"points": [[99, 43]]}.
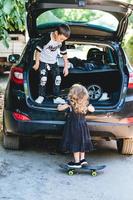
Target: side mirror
{"points": [[13, 58]]}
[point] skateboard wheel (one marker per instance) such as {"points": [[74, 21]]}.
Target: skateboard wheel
{"points": [[70, 172], [94, 173]]}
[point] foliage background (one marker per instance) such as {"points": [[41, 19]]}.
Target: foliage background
{"points": [[12, 17]]}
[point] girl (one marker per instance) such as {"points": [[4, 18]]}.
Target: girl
{"points": [[76, 137]]}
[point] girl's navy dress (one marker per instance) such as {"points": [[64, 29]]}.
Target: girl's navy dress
{"points": [[76, 136]]}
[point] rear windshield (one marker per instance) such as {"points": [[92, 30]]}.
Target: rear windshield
{"points": [[85, 16]]}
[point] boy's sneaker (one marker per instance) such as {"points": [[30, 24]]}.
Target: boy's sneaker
{"points": [[39, 100], [83, 162], [74, 165], [59, 100]]}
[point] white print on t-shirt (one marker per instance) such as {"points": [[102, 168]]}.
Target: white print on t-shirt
{"points": [[53, 48], [50, 51]]}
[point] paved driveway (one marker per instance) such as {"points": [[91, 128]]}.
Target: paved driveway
{"points": [[34, 174]]}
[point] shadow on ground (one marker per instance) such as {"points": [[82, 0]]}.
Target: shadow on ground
{"points": [[53, 146]]}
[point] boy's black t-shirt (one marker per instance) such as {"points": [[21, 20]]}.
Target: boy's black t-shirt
{"points": [[49, 49]]}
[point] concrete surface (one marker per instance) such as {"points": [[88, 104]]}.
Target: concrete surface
{"points": [[34, 174]]}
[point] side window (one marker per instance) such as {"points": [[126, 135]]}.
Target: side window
{"points": [[109, 56]]}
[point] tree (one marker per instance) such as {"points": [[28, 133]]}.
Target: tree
{"points": [[128, 40], [129, 49], [74, 15], [12, 17]]}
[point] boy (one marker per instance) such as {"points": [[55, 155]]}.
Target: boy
{"points": [[46, 59]]}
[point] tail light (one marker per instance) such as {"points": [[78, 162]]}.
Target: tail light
{"points": [[19, 116], [130, 119], [130, 83], [17, 75], [127, 120]]}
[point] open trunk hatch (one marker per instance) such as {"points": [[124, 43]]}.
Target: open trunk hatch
{"points": [[119, 10]]}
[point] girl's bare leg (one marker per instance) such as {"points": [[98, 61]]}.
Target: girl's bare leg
{"points": [[82, 155], [82, 159], [76, 157]]}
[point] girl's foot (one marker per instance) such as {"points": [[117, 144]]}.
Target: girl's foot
{"points": [[83, 162], [74, 165]]}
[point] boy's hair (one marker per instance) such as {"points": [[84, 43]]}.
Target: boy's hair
{"points": [[76, 96], [64, 29]]}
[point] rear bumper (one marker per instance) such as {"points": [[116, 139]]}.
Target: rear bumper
{"points": [[113, 130], [45, 127], [31, 127]]}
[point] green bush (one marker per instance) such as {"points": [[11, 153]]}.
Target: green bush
{"points": [[128, 46], [12, 18]]}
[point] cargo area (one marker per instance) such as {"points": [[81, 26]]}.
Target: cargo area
{"points": [[93, 66]]}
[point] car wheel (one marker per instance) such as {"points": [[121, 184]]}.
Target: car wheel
{"points": [[125, 146], [95, 92], [10, 141], [119, 145]]}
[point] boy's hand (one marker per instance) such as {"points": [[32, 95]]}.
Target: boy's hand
{"points": [[65, 71], [91, 108], [36, 66]]}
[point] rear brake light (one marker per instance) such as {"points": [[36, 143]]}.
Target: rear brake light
{"points": [[17, 75], [21, 117], [127, 120], [130, 119], [130, 83]]}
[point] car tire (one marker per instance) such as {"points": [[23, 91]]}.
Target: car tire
{"points": [[125, 146], [119, 145], [95, 92], [11, 142]]}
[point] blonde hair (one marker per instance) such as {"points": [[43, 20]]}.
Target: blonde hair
{"points": [[78, 98]]}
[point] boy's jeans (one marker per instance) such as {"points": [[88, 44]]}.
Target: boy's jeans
{"points": [[54, 69]]}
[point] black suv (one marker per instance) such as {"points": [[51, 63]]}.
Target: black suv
{"points": [[97, 61]]}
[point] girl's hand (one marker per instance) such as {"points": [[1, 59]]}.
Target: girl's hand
{"points": [[59, 107], [91, 108], [62, 107]]}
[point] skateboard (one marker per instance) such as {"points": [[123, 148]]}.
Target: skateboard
{"points": [[92, 169]]}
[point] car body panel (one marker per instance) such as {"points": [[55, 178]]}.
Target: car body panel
{"points": [[107, 122], [112, 128]]}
